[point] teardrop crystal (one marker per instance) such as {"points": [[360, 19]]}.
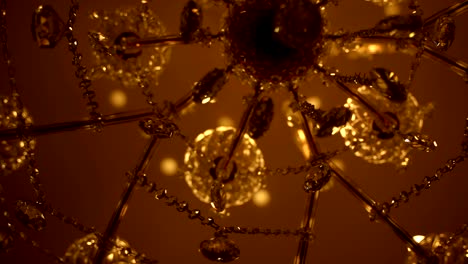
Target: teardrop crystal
{"points": [[190, 21], [444, 33], [220, 249], [206, 89], [261, 118], [47, 27]]}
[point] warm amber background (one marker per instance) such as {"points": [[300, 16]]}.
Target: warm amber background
{"points": [[84, 173]]}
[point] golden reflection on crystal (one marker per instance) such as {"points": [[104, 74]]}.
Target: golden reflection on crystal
{"points": [[83, 251], [108, 27], [453, 252], [360, 134], [215, 143], [315, 101], [169, 166], [418, 238]]}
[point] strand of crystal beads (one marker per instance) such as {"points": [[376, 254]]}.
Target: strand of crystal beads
{"points": [[47, 208], [80, 70], [195, 214], [288, 170], [146, 90], [266, 231], [41, 197], [325, 156], [170, 200], [415, 63], [426, 183], [449, 166], [33, 172]]}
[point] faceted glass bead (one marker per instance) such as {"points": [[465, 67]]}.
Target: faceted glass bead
{"points": [[83, 251], [28, 214], [365, 137], [241, 179], [47, 27], [117, 57], [12, 152], [220, 249], [454, 253]]}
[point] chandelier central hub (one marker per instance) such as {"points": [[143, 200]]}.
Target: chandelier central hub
{"points": [[273, 40]]}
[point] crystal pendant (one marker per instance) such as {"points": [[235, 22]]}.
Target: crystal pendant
{"points": [[83, 251], [367, 137], [400, 25], [261, 118], [114, 38], [205, 90], [190, 21], [220, 249], [456, 252], [443, 34], [242, 177], [318, 178], [12, 153], [47, 27], [28, 214]]}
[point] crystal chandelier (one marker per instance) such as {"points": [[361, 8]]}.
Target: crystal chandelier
{"points": [[225, 122]]}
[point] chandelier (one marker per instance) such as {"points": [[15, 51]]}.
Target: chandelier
{"points": [[233, 130]]}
